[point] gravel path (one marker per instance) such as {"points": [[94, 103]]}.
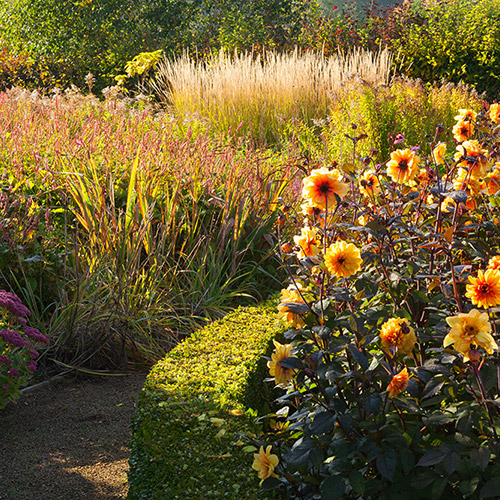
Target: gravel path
{"points": [[69, 440]]}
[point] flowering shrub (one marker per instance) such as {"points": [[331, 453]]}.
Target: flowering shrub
{"points": [[17, 346], [391, 370]]}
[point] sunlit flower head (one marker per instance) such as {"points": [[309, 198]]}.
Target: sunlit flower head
{"points": [[308, 243], [369, 184], [463, 130], [477, 158], [403, 166], [396, 332], [310, 210], [264, 463], [466, 114], [494, 263], [324, 187], [463, 181], [470, 329], [493, 180], [484, 291], [290, 295], [343, 259], [495, 113], [281, 374], [398, 383], [439, 152]]}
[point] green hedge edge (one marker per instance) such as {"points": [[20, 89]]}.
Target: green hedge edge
{"points": [[185, 440]]}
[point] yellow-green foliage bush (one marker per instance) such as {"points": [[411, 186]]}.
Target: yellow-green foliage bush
{"points": [[190, 413], [405, 106]]}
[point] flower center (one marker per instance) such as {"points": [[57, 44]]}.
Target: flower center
{"points": [[403, 165], [341, 260], [324, 188], [484, 288]]}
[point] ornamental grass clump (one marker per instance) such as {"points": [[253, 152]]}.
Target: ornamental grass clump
{"points": [[390, 370], [17, 346]]}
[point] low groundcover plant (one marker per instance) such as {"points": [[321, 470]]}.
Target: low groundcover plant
{"points": [[391, 367], [17, 346]]}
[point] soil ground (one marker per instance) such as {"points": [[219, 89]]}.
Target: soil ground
{"points": [[69, 440]]}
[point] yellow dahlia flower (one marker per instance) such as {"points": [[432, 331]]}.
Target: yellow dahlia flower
{"points": [[343, 259], [403, 166], [469, 329], [396, 332], [290, 295], [281, 374], [265, 463]]}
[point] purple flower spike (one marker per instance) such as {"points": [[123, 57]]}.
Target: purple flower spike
{"points": [[13, 372], [12, 303], [14, 338]]}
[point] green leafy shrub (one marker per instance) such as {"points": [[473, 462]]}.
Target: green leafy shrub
{"points": [[185, 431], [458, 41]]}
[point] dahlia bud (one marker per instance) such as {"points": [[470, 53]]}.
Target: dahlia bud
{"points": [[474, 356]]}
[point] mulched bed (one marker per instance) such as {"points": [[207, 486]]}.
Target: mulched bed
{"points": [[69, 440]]}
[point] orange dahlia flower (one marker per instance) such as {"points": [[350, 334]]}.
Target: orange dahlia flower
{"points": [[469, 329], [484, 291], [403, 166], [463, 130], [398, 383], [494, 263], [466, 114], [463, 181], [396, 332], [322, 187], [477, 162], [369, 184], [493, 180], [281, 374], [264, 463], [438, 153], [307, 242], [343, 259]]}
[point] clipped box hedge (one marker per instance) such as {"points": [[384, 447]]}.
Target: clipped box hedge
{"points": [[190, 413]]}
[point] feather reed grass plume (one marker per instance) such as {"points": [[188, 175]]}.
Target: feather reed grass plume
{"points": [[257, 94]]}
